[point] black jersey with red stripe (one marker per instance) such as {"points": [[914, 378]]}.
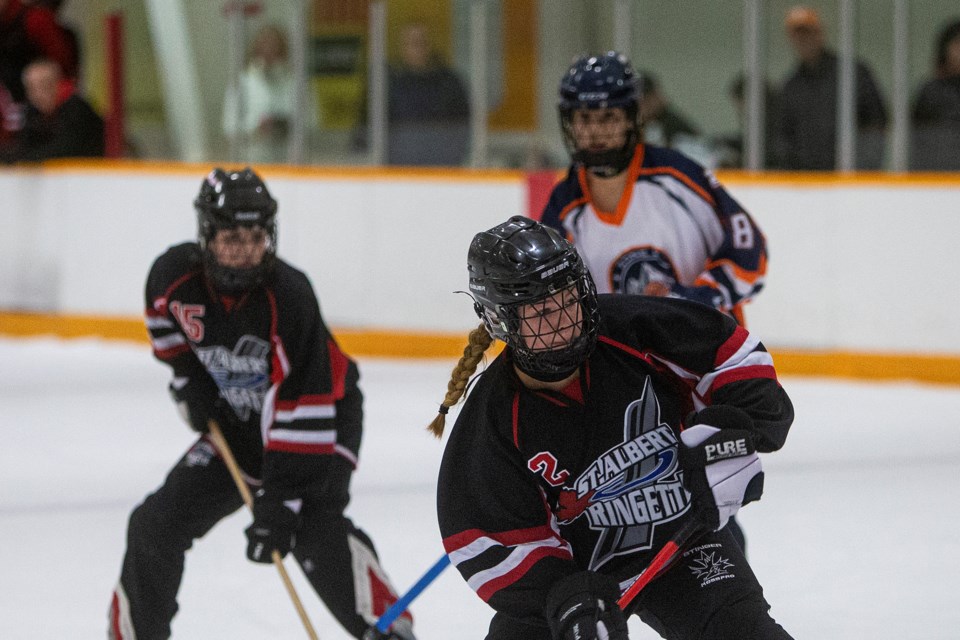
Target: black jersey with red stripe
{"points": [[535, 485], [270, 355]]}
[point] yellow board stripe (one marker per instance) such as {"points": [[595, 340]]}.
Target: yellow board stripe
{"points": [[869, 366], [821, 180], [94, 166], [37, 324], [943, 369], [803, 180]]}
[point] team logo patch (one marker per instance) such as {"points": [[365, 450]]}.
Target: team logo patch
{"points": [[637, 268], [200, 454], [707, 565], [632, 487], [243, 374]]}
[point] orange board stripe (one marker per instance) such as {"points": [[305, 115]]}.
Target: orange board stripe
{"points": [[803, 180], [940, 369]]}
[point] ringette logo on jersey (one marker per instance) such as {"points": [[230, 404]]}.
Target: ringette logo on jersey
{"points": [[243, 374], [638, 267], [632, 487]]}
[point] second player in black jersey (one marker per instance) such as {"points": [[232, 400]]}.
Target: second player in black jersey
{"points": [[242, 331]]}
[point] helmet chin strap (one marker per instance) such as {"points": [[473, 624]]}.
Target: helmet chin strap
{"points": [[552, 366], [233, 281], [609, 162], [605, 164], [546, 376]]}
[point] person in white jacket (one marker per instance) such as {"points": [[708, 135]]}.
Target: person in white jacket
{"points": [[258, 110]]}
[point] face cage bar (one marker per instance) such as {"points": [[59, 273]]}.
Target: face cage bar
{"points": [[208, 228], [611, 161], [238, 280], [550, 362]]}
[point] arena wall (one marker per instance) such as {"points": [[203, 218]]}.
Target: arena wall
{"points": [[859, 266]]}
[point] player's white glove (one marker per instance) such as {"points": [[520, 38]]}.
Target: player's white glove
{"points": [[721, 468]]}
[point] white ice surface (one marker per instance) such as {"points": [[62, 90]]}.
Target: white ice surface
{"points": [[856, 537]]}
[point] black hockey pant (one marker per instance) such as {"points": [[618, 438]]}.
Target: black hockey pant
{"points": [[198, 493], [710, 593]]}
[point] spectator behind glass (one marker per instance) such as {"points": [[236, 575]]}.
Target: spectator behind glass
{"points": [[662, 124], [59, 123], [936, 109], [27, 31], [808, 125], [733, 152], [665, 126], [260, 122], [428, 108], [11, 119]]}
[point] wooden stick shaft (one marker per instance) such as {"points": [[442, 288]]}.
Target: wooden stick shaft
{"points": [[221, 443]]}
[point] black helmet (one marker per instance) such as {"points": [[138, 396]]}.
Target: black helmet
{"points": [[518, 264], [601, 82], [235, 199]]}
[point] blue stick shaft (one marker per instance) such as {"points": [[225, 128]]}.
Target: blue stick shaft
{"points": [[397, 608]]}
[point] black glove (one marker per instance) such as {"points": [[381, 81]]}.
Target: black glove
{"points": [[583, 606], [721, 469], [273, 529], [199, 401], [396, 632]]}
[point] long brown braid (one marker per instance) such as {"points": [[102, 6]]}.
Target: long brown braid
{"points": [[478, 343]]}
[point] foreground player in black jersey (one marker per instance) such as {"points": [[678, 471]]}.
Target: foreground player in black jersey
{"points": [[606, 425], [243, 333]]}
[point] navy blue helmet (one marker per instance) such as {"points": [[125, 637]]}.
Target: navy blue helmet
{"points": [[604, 81]]}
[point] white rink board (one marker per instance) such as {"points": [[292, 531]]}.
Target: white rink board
{"points": [[858, 267], [853, 266]]}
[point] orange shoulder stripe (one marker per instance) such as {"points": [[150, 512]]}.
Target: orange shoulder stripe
{"points": [[682, 177]]}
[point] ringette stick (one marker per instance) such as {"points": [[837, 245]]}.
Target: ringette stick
{"points": [[221, 443], [666, 554], [397, 608]]}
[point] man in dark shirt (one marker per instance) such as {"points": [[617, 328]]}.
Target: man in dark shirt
{"points": [[808, 122], [662, 123], [59, 122], [935, 145], [428, 107], [429, 111]]}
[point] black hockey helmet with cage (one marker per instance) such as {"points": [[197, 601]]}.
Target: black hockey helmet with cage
{"points": [[513, 267], [601, 82], [231, 199]]}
